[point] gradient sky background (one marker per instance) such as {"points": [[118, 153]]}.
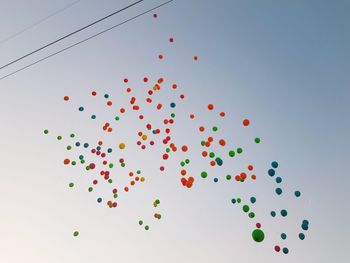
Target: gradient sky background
{"points": [[283, 64]]}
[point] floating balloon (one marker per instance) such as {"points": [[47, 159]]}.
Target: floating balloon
{"points": [[258, 235]]}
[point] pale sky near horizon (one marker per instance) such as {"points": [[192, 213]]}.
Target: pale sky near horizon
{"points": [[282, 64]]}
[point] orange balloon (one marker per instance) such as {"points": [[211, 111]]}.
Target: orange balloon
{"points": [[246, 122]]}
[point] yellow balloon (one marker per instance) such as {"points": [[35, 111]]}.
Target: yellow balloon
{"points": [[121, 146]]}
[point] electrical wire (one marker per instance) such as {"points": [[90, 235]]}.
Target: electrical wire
{"points": [[70, 34], [86, 39], [38, 22]]}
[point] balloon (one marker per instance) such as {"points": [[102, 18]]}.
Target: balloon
{"points": [[284, 212], [274, 164], [204, 174], [258, 235], [278, 191], [285, 250], [245, 208], [271, 172]]}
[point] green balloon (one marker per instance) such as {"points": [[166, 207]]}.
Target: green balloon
{"points": [[71, 184], [251, 215], [257, 140], [46, 131], [146, 227], [258, 235], [76, 233], [204, 174], [239, 150], [140, 222], [231, 153], [245, 208]]}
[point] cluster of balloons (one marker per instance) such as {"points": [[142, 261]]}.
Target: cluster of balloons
{"points": [[215, 150], [158, 216]]}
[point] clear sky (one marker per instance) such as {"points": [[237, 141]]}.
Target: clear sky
{"points": [[282, 64]]}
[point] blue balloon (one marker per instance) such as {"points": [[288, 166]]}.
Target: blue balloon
{"points": [[219, 161], [278, 191], [274, 164], [284, 212], [306, 222], [278, 180], [305, 227]]}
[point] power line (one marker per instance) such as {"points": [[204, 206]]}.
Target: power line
{"points": [[38, 22], [70, 34], [86, 39]]}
